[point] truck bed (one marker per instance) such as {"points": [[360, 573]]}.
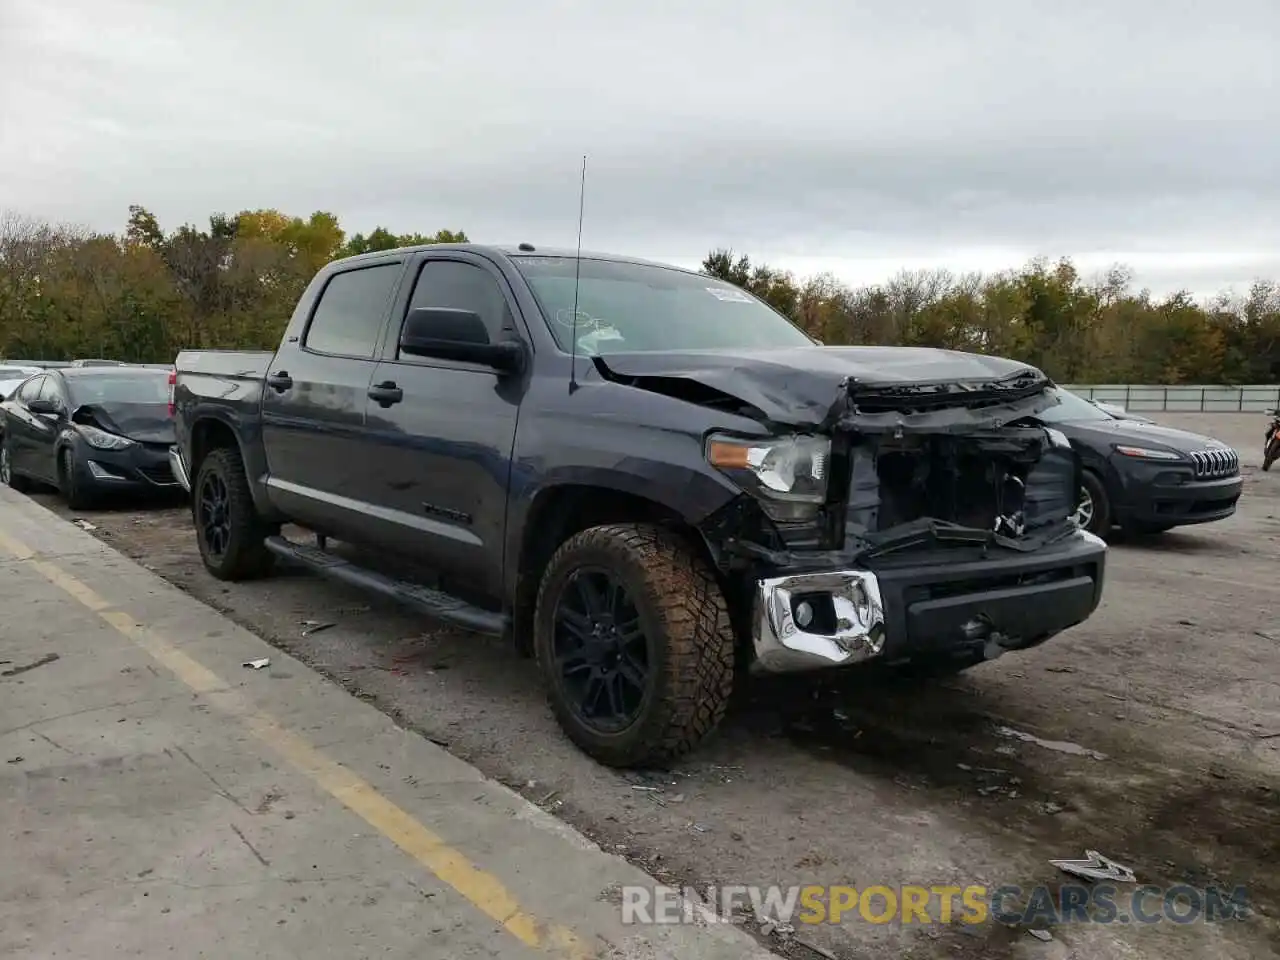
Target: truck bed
{"points": [[230, 379], [228, 364]]}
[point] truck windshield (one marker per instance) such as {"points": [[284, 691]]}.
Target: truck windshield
{"points": [[1072, 409], [631, 307]]}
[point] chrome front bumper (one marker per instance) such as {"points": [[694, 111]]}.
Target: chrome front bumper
{"points": [[178, 467], [847, 602]]}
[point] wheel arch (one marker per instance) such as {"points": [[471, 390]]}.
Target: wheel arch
{"points": [[211, 432], [560, 511]]}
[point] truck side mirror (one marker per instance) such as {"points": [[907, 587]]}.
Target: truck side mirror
{"points": [[448, 334]]}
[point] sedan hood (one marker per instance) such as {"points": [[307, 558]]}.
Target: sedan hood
{"points": [[866, 388], [1136, 433], [143, 422]]}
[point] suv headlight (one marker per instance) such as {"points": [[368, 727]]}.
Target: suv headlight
{"points": [[101, 440], [787, 474], [1147, 453]]}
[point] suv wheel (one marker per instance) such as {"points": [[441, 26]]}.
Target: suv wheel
{"points": [[229, 531], [633, 638], [1093, 512]]}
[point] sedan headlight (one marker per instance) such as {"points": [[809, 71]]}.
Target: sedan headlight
{"points": [[101, 440], [1148, 453], [787, 474]]}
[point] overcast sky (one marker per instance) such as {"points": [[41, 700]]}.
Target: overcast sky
{"points": [[856, 137]]}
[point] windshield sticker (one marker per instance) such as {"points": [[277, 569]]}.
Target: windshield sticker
{"points": [[729, 294]]}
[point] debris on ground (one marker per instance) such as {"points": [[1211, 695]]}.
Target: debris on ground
{"points": [[14, 671], [1043, 935], [1061, 746], [1096, 867], [820, 951], [84, 524], [310, 627], [257, 664], [15, 760]]}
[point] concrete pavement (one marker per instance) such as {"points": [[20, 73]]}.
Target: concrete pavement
{"points": [[159, 799]]}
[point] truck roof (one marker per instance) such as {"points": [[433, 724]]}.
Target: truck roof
{"points": [[510, 250]]}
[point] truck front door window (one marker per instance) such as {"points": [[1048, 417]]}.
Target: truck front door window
{"points": [[462, 286], [351, 311]]}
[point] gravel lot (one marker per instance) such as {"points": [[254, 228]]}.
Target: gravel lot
{"points": [[1175, 681]]}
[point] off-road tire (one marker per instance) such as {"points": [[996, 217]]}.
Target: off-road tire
{"points": [[683, 612], [1100, 525], [19, 483], [246, 556], [1271, 453], [72, 488]]}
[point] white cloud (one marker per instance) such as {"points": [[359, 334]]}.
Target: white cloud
{"points": [[869, 137]]}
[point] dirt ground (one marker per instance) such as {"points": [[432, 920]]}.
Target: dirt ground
{"points": [[1172, 689]]}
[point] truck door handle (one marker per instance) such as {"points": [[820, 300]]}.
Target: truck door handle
{"points": [[386, 393], [280, 382]]}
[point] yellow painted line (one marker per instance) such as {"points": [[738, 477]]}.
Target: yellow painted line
{"points": [[482, 889]]}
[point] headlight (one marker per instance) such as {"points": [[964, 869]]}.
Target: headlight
{"points": [[1146, 453], [787, 474], [101, 440]]}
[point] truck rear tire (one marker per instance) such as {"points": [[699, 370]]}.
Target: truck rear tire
{"points": [[633, 638], [229, 531]]}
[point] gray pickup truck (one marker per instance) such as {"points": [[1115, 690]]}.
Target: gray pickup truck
{"points": [[643, 476]]}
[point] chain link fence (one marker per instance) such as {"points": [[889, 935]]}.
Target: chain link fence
{"points": [[1186, 398]]}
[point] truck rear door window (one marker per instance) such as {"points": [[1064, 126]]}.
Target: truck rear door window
{"points": [[352, 310]]}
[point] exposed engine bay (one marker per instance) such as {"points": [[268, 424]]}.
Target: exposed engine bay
{"points": [[1010, 482], [934, 462]]}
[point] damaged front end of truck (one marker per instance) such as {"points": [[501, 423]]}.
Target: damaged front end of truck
{"points": [[900, 520]]}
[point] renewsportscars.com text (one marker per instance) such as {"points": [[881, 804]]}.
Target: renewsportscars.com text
{"points": [[975, 904]]}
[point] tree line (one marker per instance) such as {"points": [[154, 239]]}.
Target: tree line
{"points": [[144, 294]]}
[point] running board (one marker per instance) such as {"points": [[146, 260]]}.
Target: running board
{"points": [[434, 603]]}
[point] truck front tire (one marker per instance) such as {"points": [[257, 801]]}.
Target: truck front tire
{"points": [[228, 529], [634, 641]]}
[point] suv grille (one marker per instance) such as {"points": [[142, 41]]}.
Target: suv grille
{"points": [[1220, 462]]}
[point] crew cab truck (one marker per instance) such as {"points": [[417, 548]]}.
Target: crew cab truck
{"points": [[643, 476]]}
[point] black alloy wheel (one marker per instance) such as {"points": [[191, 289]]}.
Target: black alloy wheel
{"points": [[213, 514], [230, 533], [602, 654]]}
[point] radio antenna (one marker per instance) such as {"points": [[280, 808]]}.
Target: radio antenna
{"points": [[577, 275]]}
